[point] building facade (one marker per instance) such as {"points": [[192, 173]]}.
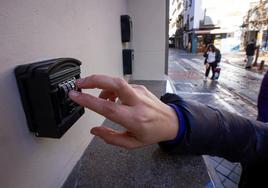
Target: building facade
{"points": [[213, 21], [176, 23], [255, 25], [210, 21]]}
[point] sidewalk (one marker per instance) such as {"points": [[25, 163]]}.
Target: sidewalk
{"points": [[239, 59]]}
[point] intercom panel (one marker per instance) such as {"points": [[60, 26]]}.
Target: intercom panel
{"points": [[44, 88]]}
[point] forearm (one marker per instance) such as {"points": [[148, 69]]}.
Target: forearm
{"points": [[213, 132]]}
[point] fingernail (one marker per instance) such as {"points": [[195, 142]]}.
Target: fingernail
{"points": [[79, 81], [74, 93], [94, 131]]}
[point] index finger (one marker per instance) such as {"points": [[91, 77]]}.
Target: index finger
{"points": [[118, 113], [118, 85]]}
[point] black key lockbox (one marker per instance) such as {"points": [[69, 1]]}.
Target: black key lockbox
{"points": [[44, 88], [128, 58], [126, 28]]}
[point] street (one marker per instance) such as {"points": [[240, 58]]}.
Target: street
{"points": [[235, 87], [236, 91]]}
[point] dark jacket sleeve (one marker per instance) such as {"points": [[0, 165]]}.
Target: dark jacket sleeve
{"points": [[205, 55], [217, 132], [250, 49], [218, 56]]}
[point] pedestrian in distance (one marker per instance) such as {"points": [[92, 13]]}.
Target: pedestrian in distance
{"points": [[179, 126], [212, 58], [250, 52], [189, 47]]}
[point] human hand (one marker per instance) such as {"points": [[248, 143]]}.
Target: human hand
{"points": [[146, 119]]}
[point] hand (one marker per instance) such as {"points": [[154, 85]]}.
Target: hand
{"points": [[146, 119]]}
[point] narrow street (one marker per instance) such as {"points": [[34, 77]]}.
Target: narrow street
{"points": [[236, 91], [235, 83]]}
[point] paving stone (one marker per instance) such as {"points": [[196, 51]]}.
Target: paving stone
{"points": [[213, 162], [224, 171], [234, 177], [229, 184], [238, 169], [217, 159], [222, 177], [228, 164]]}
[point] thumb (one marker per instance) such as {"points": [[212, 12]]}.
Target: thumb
{"points": [[113, 137]]}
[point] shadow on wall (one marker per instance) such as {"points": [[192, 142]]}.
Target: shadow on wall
{"points": [[12, 115], [14, 130]]}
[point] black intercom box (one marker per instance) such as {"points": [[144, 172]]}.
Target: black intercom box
{"points": [[126, 28], [128, 58], [44, 88]]}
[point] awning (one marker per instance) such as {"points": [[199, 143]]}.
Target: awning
{"points": [[218, 31], [202, 32], [214, 31]]}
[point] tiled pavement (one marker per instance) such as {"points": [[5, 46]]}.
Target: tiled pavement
{"points": [[238, 59], [228, 174]]}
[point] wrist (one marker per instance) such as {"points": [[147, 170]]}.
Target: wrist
{"points": [[173, 125], [181, 127]]}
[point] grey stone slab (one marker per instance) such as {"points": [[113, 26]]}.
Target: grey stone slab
{"points": [[238, 169], [224, 171], [222, 177], [107, 166], [234, 177], [214, 163], [212, 172], [158, 87], [229, 184], [217, 159], [227, 164]]}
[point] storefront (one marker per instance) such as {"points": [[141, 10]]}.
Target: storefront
{"points": [[221, 38]]}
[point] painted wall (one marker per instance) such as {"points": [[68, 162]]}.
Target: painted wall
{"points": [[149, 38], [33, 30]]}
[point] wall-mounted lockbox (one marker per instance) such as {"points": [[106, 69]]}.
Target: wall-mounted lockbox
{"points": [[44, 88], [128, 58], [126, 28]]}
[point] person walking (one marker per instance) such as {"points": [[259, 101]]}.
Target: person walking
{"points": [[212, 58], [250, 51], [189, 47]]}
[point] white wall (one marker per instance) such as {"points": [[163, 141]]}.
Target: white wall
{"points": [[148, 17], [198, 13], [33, 30]]}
